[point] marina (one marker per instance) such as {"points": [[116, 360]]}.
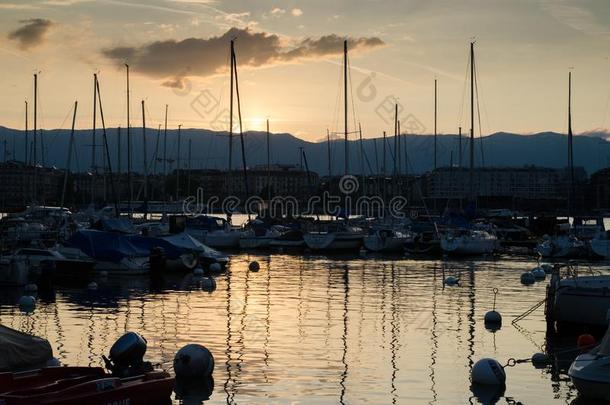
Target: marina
{"points": [[262, 211]]}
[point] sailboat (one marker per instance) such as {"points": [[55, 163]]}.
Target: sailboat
{"points": [[472, 240], [565, 244], [338, 235]]}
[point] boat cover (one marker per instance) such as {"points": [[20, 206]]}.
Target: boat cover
{"points": [[106, 246], [120, 225], [147, 243], [20, 351], [186, 241]]}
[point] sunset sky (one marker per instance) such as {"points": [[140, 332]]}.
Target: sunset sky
{"points": [[289, 56]]}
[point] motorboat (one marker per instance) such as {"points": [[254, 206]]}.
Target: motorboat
{"points": [[589, 371], [128, 380], [568, 294], [289, 238], [34, 257], [468, 242], [386, 240], [258, 235], [112, 252], [562, 246], [206, 255], [335, 237], [213, 231]]}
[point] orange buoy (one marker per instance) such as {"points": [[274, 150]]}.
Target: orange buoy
{"points": [[585, 341]]}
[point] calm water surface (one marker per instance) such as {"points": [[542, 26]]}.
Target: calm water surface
{"points": [[316, 329]]}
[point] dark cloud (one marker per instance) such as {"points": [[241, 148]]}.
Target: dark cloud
{"points": [[32, 32], [174, 83], [208, 56]]}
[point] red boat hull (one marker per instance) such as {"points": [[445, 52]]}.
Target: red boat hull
{"points": [[84, 385]]}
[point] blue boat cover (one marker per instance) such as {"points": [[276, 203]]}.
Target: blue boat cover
{"points": [[148, 243], [105, 246], [121, 225]]}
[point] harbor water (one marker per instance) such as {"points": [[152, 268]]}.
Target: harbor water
{"points": [[317, 329]]}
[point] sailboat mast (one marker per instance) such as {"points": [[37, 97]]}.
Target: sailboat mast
{"points": [[129, 180], [35, 155], [165, 161], [435, 155], [241, 131], [69, 163], [460, 147], [471, 120], [115, 196], [25, 156], [362, 158], [145, 161], [570, 147], [268, 164], [231, 111], [93, 167], [178, 163], [345, 105], [330, 173], [188, 181]]}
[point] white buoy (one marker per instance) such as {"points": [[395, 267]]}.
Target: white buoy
{"points": [[539, 273], [215, 267], [254, 266], [193, 361], [92, 285], [27, 303], [198, 272], [528, 278], [489, 372], [30, 288], [451, 280]]}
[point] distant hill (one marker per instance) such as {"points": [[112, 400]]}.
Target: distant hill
{"points": [[210, 150]]}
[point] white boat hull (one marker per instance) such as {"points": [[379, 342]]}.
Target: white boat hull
{"points": [[332, 241], [467, 246]]}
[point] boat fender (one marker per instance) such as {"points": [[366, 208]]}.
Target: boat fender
{"points": [[540, 360], [208, 283], [254, 266], [452, 280], [193, 361], [548, 269], [198, 272], [215, 267], [585, 341], [539, 273], [30, 288], [92, 285], [528, 278], [27, 303], [488, 372]]}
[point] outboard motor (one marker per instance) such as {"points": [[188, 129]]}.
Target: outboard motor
{"points": [[157, 260], [126, 356]]}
